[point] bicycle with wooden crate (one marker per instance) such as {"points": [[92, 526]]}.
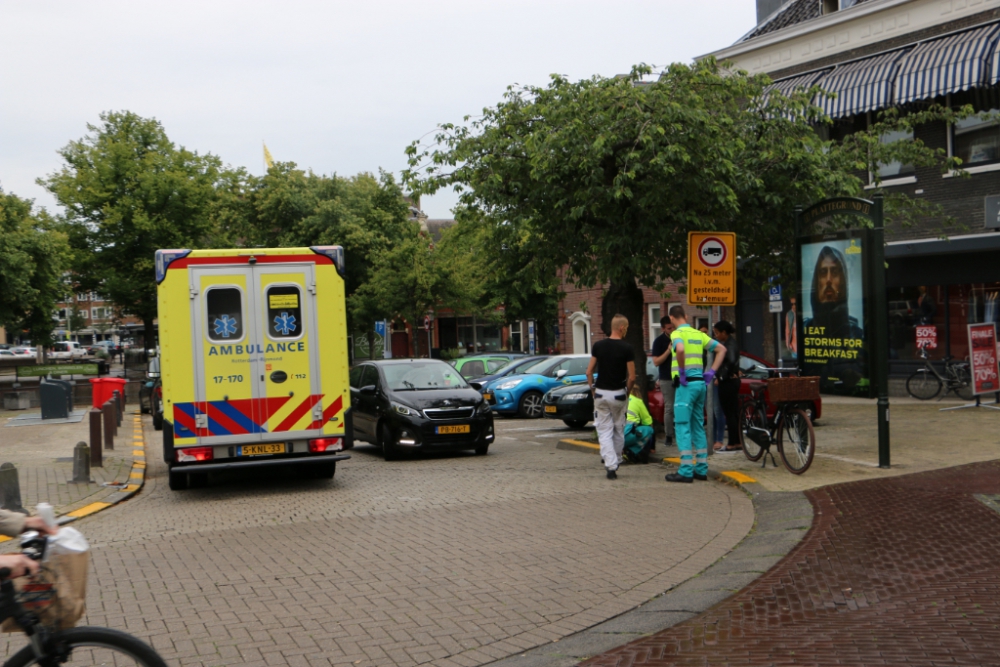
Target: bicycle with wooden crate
{"points": [[790, 429]]}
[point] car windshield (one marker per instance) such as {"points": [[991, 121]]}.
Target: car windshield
{"points": [[422, 375], [540, 367]]}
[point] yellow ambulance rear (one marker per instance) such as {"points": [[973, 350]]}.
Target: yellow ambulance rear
{"points": [[254, 365]]}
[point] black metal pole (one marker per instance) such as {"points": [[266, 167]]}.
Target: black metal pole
{"points": [[879, 337]]}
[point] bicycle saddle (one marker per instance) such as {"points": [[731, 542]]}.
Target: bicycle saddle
{"points": [[757, 386]]}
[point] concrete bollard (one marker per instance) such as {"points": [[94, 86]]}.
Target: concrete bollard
{"points": [[96, 451], [10, 488], [118, 408], [109, 426], [81, 463]]}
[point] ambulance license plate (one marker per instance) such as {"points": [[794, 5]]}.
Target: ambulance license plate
{"points": [[442, 430], [550, 408], [261, 450]]}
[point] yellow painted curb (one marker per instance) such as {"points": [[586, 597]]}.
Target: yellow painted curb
{"points": [[138, 452], [581, 443], [676, 460], [737, 476], [88, 509]]}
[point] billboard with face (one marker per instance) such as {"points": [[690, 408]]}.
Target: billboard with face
{"points": [[833, 306]]}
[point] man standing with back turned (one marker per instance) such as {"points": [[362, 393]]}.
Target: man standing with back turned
{"points": [[690, 385], [615, 362]]}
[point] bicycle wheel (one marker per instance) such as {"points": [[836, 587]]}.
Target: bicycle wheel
{"points": [[965, 390], [88, 647], [796, 441], [923, 385], [750, 415]]}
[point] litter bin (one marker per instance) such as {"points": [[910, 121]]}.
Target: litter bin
{"points": [[101, 391], [116, 384], [55, 397]]}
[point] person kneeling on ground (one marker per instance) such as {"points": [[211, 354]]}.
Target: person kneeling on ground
{"points": [[638, 429]]}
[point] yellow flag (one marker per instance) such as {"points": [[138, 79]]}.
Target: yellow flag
{"points": [[268, 160]]}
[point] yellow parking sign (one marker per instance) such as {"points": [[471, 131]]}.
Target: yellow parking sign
{"points": [[711, 269]]}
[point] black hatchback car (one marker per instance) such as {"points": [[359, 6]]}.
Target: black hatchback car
{"points": [[413, 405]]}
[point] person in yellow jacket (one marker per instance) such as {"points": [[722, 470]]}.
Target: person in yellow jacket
{"points": [[638, 428]]}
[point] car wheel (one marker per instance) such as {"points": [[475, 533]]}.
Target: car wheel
{"points": [[574, 423], [178, 480], [144, 409], [530, 405], [482, 451], [386, 441], [154, 407]]}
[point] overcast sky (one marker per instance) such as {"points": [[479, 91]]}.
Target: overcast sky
{"points": [[334, 86]]}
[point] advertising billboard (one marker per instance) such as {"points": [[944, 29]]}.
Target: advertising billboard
{"points": [[832, 298], [983, 358]]}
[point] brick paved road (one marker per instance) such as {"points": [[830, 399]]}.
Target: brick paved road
{"points": [[900, 571], [449, 560]]}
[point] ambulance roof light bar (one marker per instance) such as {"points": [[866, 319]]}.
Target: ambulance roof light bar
{"points": [[334, 252]]}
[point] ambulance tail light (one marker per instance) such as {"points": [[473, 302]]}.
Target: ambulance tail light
{"points": [[320, 445], [334, 252], [195, 454]]}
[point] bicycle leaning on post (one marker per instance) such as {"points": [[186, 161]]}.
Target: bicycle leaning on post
{"points": [[926, 382], [790, 428], [75, 647]]}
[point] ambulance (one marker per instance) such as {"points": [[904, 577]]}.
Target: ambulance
{"points": [[253, 360]]}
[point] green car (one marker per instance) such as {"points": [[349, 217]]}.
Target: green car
{"points": [[478, 365]]}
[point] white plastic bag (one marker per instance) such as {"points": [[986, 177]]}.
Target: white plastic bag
{"points": [[67, 541]]}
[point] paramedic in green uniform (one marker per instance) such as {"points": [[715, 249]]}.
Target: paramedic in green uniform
{"points": [[690, 346]]}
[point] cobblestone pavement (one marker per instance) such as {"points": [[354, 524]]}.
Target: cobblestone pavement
{"points": [[899, 571], [447, 560], [43, 455]]}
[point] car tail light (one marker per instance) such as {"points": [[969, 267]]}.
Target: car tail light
{"points": [[326, 445], [194, 454]]}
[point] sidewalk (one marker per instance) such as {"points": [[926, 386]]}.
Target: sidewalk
{"points": [[43, 456]]}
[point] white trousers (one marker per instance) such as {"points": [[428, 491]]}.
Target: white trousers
{"points": [[609, 419]]}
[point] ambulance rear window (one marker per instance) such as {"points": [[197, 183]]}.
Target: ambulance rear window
{"points": [[225, 313], [284, 311]]}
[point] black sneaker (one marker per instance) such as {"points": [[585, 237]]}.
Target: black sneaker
{"points": [[701, 478], [612, 474], [674, 477]]}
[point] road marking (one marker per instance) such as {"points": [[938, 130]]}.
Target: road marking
{"points": [[89, 509], [847, 460], [738, 476], [581, 443], [676, 460], [535, 428]]}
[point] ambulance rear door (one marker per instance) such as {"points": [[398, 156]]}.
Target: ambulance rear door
{"points": [[226, 362], [290, 386]]}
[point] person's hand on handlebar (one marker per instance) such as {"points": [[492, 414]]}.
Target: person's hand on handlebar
{"points": [[37, 523], [18, 564]]}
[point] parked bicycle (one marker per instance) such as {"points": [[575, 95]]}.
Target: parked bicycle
{"points": [[75, 647], [927, 382], [790, 428]]}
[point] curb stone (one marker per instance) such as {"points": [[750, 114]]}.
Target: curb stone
{"points": [[137, 478], [782, 520]]}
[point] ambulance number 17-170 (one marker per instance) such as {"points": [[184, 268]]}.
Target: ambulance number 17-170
{"points": [[219, 379]]}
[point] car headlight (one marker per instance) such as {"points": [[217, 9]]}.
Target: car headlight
{"points": [[575, 397], [405, 410], [510, 384]]}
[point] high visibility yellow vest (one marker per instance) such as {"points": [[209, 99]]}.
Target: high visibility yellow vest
{"points": [[695, 343]]}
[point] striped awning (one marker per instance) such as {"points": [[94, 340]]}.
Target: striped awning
{"points": [[802, 81], [948, 65], [861, 86]]}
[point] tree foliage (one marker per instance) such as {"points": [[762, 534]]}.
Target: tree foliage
{"points": [[605, 177], [128, 191], [32, 259]]}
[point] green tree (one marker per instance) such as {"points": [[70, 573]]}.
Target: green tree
{"points": [[291, 207], [128, 191], [33, 259], [75, 319], [604, 178]]}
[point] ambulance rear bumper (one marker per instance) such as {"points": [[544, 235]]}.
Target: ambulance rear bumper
{"points": [[215, 466]]}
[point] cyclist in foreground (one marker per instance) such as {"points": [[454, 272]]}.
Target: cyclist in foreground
{"points": [[13, 524]]}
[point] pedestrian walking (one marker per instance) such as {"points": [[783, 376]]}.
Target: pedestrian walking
{"points": [[689, 347], [614, 361], [662, 356], [728, 384]]}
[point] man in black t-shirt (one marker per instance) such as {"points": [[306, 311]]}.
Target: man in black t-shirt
{"points": [[614, 360], [661, 359]]}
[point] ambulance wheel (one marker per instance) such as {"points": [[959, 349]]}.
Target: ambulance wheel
{"points": [[386, 439], [178, 480]]}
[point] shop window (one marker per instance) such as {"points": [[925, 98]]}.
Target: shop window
{"points": [[284, 311], [225, 314], [977, 140]]}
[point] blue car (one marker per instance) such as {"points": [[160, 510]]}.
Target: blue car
{"points": [[515, 367], [522, 394]]}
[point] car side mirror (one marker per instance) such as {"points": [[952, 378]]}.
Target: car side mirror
{"points": [[476, 385], [368, 390], [153, 374], [561, 374]]}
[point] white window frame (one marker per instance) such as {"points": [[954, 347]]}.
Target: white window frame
{"points": [[889, 182], [974, 169], [654, 322]]}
